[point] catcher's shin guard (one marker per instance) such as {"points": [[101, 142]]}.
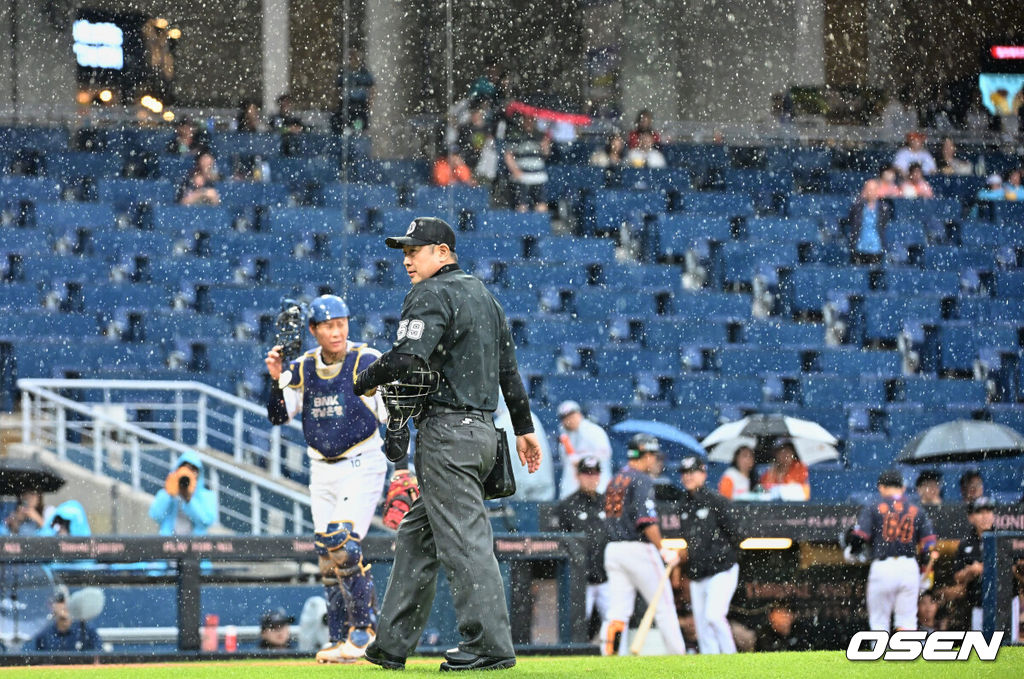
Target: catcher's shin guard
{"points": [[345, 557]]}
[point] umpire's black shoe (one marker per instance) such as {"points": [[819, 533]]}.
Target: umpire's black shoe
{"points": [[457, 659], [378, 656]]}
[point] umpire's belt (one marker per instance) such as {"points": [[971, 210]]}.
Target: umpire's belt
{"points": [[435, 409]]}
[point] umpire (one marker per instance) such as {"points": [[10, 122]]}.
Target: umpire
{"points": [[450, 324]]}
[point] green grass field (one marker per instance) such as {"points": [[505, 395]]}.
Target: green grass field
{"points": [[831, 664]]}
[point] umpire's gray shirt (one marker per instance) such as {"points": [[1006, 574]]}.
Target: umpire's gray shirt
{"points": [[455, 324]]}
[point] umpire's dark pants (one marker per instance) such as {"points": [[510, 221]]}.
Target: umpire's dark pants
{"points": [[448, 525]]}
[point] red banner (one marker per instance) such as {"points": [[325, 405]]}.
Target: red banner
{"points": [[547, 114]]}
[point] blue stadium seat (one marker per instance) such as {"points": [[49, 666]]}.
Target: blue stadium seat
{"points": [[38, 189], [669, 333], [637, 276], [50, 268], [102, 298], [570, 249], [754, 182], [663, 179], [301, 221], [395, 221], [960, 188], [990, 310], [823, 205], [954, 258], [438, 198], [123, 193], [39, 138], [40, 323], [70, 166], [870, 451], [264, 144], [234, 299], [390, 172], [911, 281], [588, 388], [783, 229], [62, 216], [917, 210], [786, 158], [727, 203], [606, 210], [697, 156], [16, 297], [359, 199], [738, 262], [507, 223], [885, 313], [242, 193], [984, 234], [806, 288], [231, 245], [190, 269], [940, 393], [848, 361], [114, 244], [781, 333], [567, 181], [734, 359], [162, 326], [26, 241], [702, 391], [960, 341], [905, 232], [298, 171], [848, 182], [475, 248], [538, 276], [678, 233], [705, 304], [1009, 213], [1009, 283], [180, 219], [837, 391]]}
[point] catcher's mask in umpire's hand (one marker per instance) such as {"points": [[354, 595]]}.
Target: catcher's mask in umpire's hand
{"points": [[405, 399]]}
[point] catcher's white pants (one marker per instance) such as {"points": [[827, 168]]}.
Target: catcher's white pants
{"points": [[633, 567], [347, 490], [892, 591], [710, 598]]}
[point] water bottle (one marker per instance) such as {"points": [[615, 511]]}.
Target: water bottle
{"points": [[209, 633]]}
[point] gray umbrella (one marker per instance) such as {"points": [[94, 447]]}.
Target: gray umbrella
{"points": [[963, 441]]}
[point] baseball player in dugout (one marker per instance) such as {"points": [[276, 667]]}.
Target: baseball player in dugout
{"points": [[902, 551], [452, 326], [712, 543], [346, 466], [634, 558]]}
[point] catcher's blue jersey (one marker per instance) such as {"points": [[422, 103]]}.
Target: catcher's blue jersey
{"points": [[895, 526], [334, 420]]}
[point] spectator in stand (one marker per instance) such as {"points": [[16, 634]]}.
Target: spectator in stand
{"points": [[738, 479], [612, 154], [525, 152], [993, 189], [781, 632], [644, 124], [488, 87], [473, 138], [276, 631], [967, 564], [356, 83], [249, 117], [68, 519], [866, 225], [200, 186], [184, 506], [62, 634], [581, 438], [186, 140], [583, 512], [927, 612], [929, 488], [971, 485], [449, 170], [645, 155], [1012, 188], [888, 183], [786, 470], [915, 186], [29, 516], [285, 120], [948, 163], [914, 152]]}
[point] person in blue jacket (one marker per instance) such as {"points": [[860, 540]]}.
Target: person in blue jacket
{"points": [[68, 519], [184, 506]]}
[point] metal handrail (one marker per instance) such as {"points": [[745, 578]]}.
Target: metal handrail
{"points": [[39, 395]]}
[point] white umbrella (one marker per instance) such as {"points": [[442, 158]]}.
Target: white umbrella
{"points": [[808, 451]]}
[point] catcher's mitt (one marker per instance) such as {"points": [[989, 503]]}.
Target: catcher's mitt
{"points": [[402, 492], [288, 330]]}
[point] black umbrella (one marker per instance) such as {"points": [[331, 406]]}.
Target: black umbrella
{"points": [[963, 441], [19, 476]]}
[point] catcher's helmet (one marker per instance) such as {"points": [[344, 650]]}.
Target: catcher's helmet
{"points": [[642, 443], [326, 308]]}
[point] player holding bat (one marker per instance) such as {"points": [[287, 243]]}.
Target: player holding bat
{"points": [[347, 469]]}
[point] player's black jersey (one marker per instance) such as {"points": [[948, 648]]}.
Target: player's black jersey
{"points": [[968, 551], [711, 532], [629, 505], [895, 526]]}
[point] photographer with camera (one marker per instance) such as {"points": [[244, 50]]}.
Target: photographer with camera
{"points": [[184, 506]]}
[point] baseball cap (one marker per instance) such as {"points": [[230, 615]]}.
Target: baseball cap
{"points": [[275, 618], [691, 463], [589, 465], [425, 231], [641, 444], [928, 476], [891, 478], [994, 179], [568, 408], [980, 504]]}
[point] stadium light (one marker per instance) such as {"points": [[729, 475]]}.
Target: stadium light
{"points": [[766, 543], [169, 116], [160, 23], [174, 34], [152, 103], [673, 543], [106, 96]]}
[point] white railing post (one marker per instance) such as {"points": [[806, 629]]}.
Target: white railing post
{"points": [[256, 526], [201, 405], [275, 452], [136, 464], [179, 416], [61, 434], [297, 518], [237, 435], [213, 476], [26, 417], [98, 432]]}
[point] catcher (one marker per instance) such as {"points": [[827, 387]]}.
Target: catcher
{"points": [[347, 470]]}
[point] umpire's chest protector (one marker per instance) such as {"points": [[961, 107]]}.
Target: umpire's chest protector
{"points": [[333, 418]]}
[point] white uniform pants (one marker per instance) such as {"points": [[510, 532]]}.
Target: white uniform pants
{"points": [[597, 600], [346, 490], [710, 598], [892, 593], [633, 567]]}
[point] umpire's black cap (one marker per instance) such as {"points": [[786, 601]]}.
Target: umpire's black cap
{"points": [[980, 504], [425, 231], [275, 618], [692, 463]]}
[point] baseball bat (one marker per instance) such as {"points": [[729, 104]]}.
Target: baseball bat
{"points": [[648, 619]]}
